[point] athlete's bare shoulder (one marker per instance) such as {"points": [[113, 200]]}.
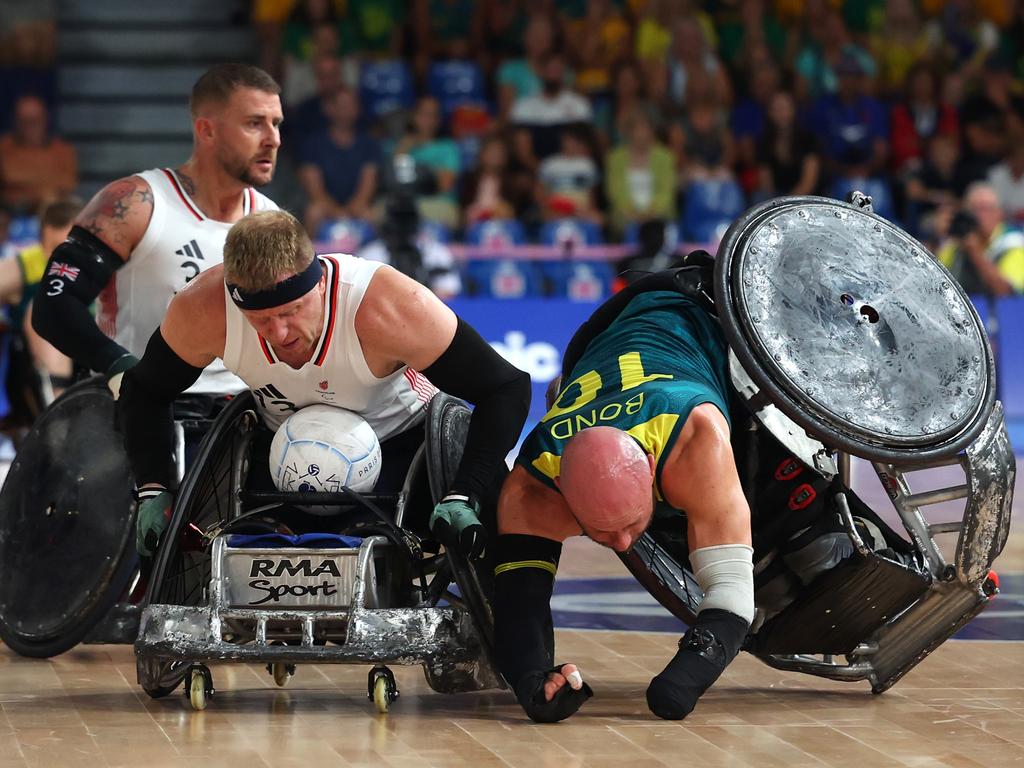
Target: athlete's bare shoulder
{"points": [[205, 290], [195, 323], [401, 320], [119, 213]]}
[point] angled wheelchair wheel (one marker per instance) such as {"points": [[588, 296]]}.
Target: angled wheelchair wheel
{"points": [[854, 331], [207, 501], [67, 548], [660, 562], [447, 427]]}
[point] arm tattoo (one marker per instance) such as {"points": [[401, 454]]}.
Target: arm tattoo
{"points": [[107, 214]]}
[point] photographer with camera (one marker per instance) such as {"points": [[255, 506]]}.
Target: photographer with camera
{"points": [[401, 243], [983, 254]]}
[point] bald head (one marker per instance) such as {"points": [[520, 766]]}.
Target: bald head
{"points": [[982, 200], [606, 479]]}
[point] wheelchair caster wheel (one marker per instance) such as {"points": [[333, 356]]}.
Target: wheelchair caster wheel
{"points": [[281, 672], [198, 686], [382, 688]]}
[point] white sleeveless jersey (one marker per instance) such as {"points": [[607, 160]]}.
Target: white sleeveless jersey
{"points": [[337, 373], [179, 243]]}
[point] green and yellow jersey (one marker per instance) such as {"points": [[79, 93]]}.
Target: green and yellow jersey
{"points": [[32, 264], [658, 360]]}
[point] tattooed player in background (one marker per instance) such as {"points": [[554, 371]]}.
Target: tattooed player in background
{"points": [[143, 237]]}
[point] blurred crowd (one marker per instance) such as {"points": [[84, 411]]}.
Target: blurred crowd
{"points": [[618, 114], [646, 122]]}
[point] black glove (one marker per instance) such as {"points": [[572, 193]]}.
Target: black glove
{"points": [[530, 694]]}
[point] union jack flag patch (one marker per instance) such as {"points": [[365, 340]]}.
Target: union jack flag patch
{"points": [[60, 269]]}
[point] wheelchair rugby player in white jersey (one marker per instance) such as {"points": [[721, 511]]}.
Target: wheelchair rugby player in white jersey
{"points": [[141, 239], [334, 331]]}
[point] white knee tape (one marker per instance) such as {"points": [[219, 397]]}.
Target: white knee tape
{"points": [[726, 574]]}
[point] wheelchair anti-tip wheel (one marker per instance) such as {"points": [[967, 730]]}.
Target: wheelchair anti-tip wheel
{"points": [[281, 672], [198, 686], [382, 688]]}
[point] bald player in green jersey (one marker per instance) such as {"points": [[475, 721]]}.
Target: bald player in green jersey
{"points": [[641, 429]]}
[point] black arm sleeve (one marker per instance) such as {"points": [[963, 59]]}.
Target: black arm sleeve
{"points": [[148, 392], [500, 394], [524, 637], [524, 577], [79, 269]]}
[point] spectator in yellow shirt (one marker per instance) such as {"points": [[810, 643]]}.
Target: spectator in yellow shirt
{"points": [[982, 252], [20, 277]]}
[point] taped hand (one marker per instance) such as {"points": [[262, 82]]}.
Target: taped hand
{"points": [[154, 514], [456, 523], [548, 696]]}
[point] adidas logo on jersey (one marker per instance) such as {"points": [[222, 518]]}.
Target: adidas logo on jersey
{"points": [[190, 250], [271, 398], [193, 255]]}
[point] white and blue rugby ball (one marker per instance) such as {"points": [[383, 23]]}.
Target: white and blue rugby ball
{"points": [[322, 448]]}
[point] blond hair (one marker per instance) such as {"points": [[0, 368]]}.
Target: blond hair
{"points": [[263, 248]]}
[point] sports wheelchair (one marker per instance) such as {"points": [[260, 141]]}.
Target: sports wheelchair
{"points": [[390, 595], [847, 338], [69, 572]]}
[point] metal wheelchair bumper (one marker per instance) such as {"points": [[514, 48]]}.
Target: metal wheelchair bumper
{"points": [[362, 627], [931, 612]]}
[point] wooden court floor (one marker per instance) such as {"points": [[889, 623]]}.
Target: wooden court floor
{"points": [[963, 707]]}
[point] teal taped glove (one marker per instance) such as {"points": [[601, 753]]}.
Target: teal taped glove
{"points": [[154, 515], [456, 523]]}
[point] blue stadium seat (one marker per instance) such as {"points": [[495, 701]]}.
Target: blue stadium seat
{"points": [[23, 231], [570, 233], [502, 279], [496, 233], [874, 187], [578, 280], [710, 207], [456, 82], [435, 231], [346, 235], [385, 86]]}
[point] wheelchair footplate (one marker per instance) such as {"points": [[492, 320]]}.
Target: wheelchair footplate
{"points": [[319, 598]]}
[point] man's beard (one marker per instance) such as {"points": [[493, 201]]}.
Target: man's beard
{"points": [[243, 171]]}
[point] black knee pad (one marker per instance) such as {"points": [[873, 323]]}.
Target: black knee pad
{"points": [[704, 652]]}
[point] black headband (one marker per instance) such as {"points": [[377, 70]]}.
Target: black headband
{"points": [[295, 287]]}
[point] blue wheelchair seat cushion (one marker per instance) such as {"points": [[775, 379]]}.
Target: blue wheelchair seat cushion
{"points": [[303, 540]]}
